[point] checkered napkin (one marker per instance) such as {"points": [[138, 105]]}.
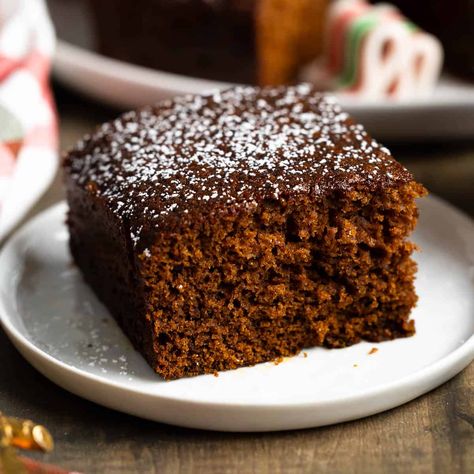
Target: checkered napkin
{"points": [[28, 133]]}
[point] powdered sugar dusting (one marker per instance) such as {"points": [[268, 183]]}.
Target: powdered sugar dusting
{"points": [[229, 148]]}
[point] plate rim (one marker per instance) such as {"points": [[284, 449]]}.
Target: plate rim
{"points": [[69, 54], [464, 352]]}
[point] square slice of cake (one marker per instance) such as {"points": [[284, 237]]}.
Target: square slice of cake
{"points": [[242, 226]]}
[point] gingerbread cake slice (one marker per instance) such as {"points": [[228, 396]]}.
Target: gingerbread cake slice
{"points": [[242, 226], [246, 41]]}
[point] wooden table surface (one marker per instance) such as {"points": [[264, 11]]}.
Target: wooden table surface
{"points": [[434, 433]]}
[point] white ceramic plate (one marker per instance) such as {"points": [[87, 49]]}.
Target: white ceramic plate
{"points": [[55, 321], [449, 113]]}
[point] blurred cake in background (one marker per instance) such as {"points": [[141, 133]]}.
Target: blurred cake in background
{"points": [[247, 41], [289, 34]]}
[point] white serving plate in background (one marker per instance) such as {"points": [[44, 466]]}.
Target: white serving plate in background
{"points": [[449, 113]]}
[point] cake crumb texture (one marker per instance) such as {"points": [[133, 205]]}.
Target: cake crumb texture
{"points": [[243, 226]]}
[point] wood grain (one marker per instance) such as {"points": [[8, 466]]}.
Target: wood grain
{"points": [[432, 434]]}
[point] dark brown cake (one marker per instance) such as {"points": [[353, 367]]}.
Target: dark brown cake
{"points": [[239, 227], [246, 41]]}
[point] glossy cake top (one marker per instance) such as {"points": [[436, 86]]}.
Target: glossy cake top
{"points": [[231, 150]]}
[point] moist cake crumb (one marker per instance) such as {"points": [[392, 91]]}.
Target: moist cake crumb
{"points": [[242, 226]]}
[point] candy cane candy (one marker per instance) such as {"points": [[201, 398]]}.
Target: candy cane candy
{"points": [[340, 14], [423, 63], [374, 52], [380, 54]]}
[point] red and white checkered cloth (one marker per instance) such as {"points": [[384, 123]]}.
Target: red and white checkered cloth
{"points": [[28, 131]]}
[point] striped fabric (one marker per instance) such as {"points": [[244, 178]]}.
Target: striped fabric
{"points": [[28, 129]]}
